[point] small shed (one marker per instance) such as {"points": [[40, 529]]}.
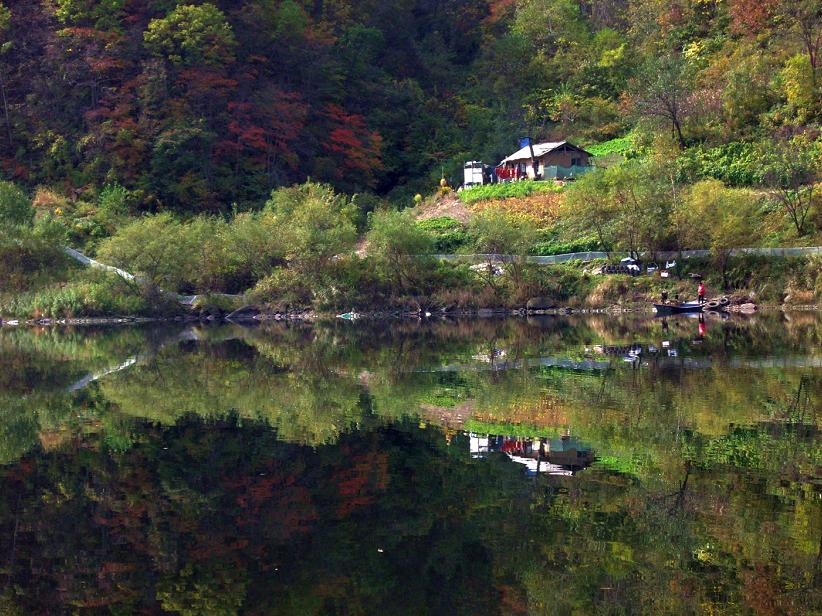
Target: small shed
{"points": [[554, 160], [477, 173]]}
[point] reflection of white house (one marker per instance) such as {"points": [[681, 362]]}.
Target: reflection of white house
{"points": [[557, 456], [478, 444]]}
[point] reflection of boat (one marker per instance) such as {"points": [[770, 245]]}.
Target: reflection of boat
{"points": [[678, 308]]}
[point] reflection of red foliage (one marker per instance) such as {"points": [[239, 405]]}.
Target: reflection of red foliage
{"points": [[274, 500], [359, 484]]}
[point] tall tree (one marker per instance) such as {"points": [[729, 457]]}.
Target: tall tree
{"points": [[792, 169], [662, 92], [804, 20]]}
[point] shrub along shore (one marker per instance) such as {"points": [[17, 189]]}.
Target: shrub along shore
{"points": [[456, 290], [312, 251]]}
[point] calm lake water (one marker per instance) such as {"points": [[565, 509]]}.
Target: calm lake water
{"points": [[547, 466]]}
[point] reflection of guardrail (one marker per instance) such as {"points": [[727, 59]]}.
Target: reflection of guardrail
{"points": [[685, 363], [806, 251]]}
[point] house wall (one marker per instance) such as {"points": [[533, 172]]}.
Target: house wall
{"points": [[556, 159], [563, 159]]}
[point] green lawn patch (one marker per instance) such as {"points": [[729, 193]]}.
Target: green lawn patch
{"points": [[522, 430], [507, 190], [622, 146]]}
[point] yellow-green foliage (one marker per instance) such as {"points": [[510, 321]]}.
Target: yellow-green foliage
{"points": [[799, 88]]}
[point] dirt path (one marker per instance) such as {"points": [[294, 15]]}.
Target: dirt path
{"points": [[449, 205]]}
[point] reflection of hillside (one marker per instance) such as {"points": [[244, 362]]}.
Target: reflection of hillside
{"points": [[313, 383], [222, 516], [213, 381]]}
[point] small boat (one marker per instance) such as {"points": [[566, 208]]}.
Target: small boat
{"points": [[678, 308]]}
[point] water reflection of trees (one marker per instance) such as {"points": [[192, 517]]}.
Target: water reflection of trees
{"points": [[224, 517], [314, 383], [230, 466]]}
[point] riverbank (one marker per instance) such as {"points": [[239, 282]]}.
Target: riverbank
{"points": [[444, 288], [310, 316]]}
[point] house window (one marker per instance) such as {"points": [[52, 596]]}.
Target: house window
{"points": [[575, 162]]}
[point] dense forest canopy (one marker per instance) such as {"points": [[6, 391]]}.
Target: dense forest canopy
{"points": [[200, 105]]}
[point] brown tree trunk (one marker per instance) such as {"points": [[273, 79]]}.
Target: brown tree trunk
{"points": [[678, 129], [6, 108]]}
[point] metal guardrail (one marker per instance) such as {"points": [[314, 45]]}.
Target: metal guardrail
{"points": [[80, 257], [185, 300], [588, 256]]}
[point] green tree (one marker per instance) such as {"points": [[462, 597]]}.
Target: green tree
{"points": [[5, 47], [498, 232], [153, 247], [15, 206], [643, 196], [662, 92], [191, 35], [587, 207], [799, 87], [718, 218], [804, 20], [628, 205], [103, 14], [791, 169], [254, 242], [316, 224], [399, 247]]}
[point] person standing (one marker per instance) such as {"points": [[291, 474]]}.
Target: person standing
{"points": [[701, 292]]}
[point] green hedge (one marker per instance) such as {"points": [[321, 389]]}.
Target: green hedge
{"points": [[735, 164], [507, 190], [449, 235]]}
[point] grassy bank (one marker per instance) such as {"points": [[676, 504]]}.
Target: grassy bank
{"points": [[355, 283], [775, 282]]}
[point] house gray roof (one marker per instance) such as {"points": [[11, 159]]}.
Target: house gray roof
{"points": [[540, 149]]}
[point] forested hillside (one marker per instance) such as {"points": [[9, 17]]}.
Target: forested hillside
{"points": [[274, 148], [199, 105]]}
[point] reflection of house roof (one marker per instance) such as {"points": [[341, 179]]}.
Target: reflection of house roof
{"points": [[540, 149], [533, 466]]}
